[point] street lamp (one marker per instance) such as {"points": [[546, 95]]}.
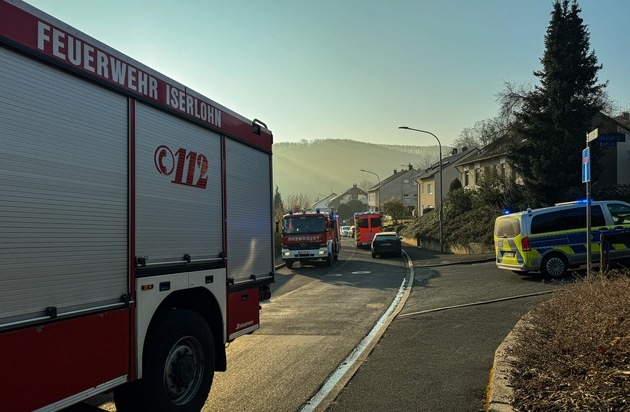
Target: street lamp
{"points": [[440, 166], [378, 204]]}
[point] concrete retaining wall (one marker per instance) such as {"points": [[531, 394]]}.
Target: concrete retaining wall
{"points": [[432, 244]]}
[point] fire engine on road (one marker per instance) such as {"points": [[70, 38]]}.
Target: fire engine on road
{"points": [[367, 224], [129, 255], [310, 236]]}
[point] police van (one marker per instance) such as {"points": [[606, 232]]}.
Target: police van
{"points": [[552, 240]]}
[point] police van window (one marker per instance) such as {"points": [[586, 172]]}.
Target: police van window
{"points": [[548, 222], [597, 216], [620, 213], [575, 218], [507, 227]]}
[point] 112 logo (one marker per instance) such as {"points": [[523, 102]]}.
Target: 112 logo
{"points": [[189, 168]]}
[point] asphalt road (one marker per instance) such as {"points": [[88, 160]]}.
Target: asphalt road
{"points": [[317, 315], [434, 356]]}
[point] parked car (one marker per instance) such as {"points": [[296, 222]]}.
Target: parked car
{"points": [[386, 243], [345, 231], [351, 231]]}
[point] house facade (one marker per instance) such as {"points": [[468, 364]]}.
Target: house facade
{"points": [[615, 162], [399, 185], [354, 193], [492, 158], [616, 157], [324, 202], [428, 181]]}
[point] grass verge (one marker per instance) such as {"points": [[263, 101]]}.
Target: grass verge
{"points": [[575, 353]]}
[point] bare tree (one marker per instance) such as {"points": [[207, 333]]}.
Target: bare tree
{"points": [[511, 100], [482, 133], [365, 184], [298, 202]]}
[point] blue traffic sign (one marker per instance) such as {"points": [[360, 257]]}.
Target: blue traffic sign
{"points": [[586, 165]]}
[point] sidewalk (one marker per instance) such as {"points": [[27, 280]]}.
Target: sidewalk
{"points": [[425, 258], [440, 361], [498, 394]]}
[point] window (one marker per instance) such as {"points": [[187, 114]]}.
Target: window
{"points": [[508, 227], [576, 218], [303, 224], [421, 188], [620, 213], [466, 178], [430, 189], [375, 222], [568, 219], [548, 222], [362, 223]]}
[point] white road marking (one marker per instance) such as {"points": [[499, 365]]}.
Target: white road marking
{"points": [[350, 363]]}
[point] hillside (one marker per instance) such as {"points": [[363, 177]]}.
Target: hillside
{"points": [[320, 167]]}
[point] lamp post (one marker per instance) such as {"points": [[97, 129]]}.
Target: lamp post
{"points": [[441, 218], [378, 204]]}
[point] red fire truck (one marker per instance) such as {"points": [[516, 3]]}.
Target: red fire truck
{"points": [[129, 252], [366, 225], [310, 236]]}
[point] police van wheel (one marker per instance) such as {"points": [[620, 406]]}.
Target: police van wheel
{"points": [[554, 266]]}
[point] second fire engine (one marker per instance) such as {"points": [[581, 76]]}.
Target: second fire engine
{"points": [[310, 236]]}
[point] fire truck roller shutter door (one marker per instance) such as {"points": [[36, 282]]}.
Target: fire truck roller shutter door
{"points": [[249, 215], [64, 168], [178, 186]]}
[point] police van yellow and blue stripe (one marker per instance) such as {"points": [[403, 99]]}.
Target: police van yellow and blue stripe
{"points": [[552, 240]]}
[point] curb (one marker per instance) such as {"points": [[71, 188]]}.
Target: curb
{"points": [[499, 392], [459, 262], [327, 400]]}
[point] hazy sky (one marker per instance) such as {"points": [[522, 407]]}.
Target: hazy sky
{"points": [[350, 69]]}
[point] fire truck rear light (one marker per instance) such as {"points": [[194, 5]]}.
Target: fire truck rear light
{"points": [[146, 287]]}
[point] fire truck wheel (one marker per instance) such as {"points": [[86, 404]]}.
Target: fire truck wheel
{"points": [[178, 363], [329, 260]]}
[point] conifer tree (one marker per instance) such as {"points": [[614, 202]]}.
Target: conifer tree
{"points": [[555, 117], [278, 206]]}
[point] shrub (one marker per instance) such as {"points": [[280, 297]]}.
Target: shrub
{"points": [[574, 354]]}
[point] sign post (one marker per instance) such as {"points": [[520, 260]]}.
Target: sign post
{"points": [[586, 178]]}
